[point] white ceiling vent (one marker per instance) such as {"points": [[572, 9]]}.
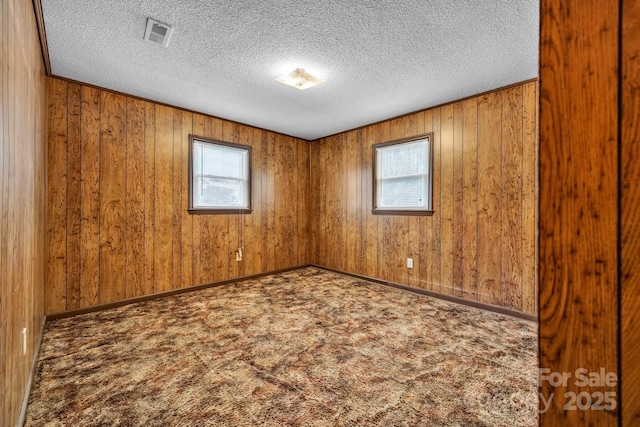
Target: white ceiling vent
{"points": [[158, 32]]}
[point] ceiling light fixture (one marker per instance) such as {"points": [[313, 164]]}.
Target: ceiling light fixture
{"points": [[300, 79]]}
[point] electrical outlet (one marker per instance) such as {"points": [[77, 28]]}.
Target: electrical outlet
{"points": [[409, 262], [24, 341], [239, 255]]}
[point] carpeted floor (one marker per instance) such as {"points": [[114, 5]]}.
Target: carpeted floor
{"points": [[303, 348]]}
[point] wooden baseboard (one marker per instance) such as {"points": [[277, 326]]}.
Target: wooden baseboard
{"points": [[32, 373], [121, 303], [450, 298]]}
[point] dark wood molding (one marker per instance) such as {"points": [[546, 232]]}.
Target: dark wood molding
{"points": [[32, 374], [121, 303], [445, 297], [44, 47]]}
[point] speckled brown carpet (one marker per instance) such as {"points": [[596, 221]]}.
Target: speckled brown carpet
{"points": [[303, 348]]}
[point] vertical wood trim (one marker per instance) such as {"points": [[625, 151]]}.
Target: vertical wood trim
{"points": [[630, 215], [578, 200]]}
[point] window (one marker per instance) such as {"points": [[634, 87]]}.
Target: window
{"points": [[402, 177], [219, 176]]}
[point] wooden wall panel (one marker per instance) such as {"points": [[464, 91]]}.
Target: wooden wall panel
{"points": [[470, 200], [630, 285], [489, 189], [57, 198], [23, 200], [125, 231], [578, 203], [163, 206], [485, 156], [112, 197], [90, 197], [447, 192], [530, 149], [511, 199], [74, 202], [134, 200]]}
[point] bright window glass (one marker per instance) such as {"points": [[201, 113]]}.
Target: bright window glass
{"points": [[220, 176], [402, 174]]}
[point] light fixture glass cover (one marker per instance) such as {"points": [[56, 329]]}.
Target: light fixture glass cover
{"points": [[300, 79]]}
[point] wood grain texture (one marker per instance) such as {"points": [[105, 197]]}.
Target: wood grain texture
{"points": [[134, 200], [163, 206], [511, 199], [489, 190], [463, 241], [90, 197], [23, 200], [457, 219], [578, 201], [630, 215], [447, 194], [149, 199], [112, 197], [135, 235], [470, 200], [530, 150], [56, 245], [74, 202]]}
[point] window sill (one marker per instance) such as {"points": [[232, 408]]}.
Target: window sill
{"points": [[218, 211], [401, 212]]}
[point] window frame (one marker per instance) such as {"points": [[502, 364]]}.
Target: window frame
{"points": [[223, 209], [428, 211]]}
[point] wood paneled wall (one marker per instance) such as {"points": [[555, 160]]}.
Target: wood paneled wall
{"points": [[22, 200], [480, 244], [118, 225], [579, 206], [630, 285]]}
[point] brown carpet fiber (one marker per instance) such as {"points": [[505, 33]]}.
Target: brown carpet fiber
{"points": [[303, 348]]}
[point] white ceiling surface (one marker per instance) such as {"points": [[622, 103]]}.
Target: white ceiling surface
{"points": [[380, 58]]}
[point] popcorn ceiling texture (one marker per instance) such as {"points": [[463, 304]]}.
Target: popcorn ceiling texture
{"points": [[380, 59]]}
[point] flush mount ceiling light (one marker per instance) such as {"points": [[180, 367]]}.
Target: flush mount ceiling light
{"points": [[300, 79]]}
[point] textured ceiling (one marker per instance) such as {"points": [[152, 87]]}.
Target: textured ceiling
{"points": [[380, 58]]}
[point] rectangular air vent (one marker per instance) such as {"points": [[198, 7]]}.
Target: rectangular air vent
{"points": [[158, 32]]}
